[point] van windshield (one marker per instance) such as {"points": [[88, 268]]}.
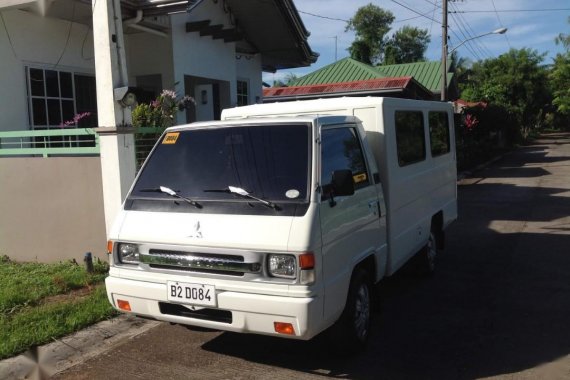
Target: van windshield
{"points": [[270, 162]]}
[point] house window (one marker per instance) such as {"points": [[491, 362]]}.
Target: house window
{"points": [[410, 140], [55, 97], [242, 93]]}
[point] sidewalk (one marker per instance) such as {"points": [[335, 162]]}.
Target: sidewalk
{"points": [[52, 358]]}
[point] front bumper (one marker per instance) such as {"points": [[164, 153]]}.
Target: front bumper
{"points": [[250, 312]]}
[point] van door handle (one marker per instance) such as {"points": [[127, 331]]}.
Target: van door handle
{"points": [[374, 207]]}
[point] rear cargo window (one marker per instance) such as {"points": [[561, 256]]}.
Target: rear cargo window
{"points": [[439, 133], [410, 140]]}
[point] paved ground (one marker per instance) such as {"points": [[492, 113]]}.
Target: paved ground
{"points": [[498, 307]]}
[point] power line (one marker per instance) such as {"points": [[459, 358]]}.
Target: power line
{"points": [[501, 23], [469, 35], [515, 10], [416, 12], [321, 16]]}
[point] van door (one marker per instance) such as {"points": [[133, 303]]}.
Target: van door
{"points": [[350, 225]]}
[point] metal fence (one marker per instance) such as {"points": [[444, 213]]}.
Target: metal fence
{"points": [[145, 138], [70, 142], [53, 142]]}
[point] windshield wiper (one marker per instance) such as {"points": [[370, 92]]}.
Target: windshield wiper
{"points": [[172, 193], [243, 193]]}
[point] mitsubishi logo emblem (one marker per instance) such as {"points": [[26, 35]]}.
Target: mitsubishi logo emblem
{"points": [[197, 233]]}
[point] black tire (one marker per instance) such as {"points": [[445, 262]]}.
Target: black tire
{"points": [[351, 332], [427, 256]]}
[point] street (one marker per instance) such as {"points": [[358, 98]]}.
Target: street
{"points": [[498, 306]]}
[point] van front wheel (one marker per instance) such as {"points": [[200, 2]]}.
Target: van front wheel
{"points": [[352, 330]]}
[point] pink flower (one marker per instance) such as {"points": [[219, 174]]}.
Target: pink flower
{"points": [[470, 122], [75, 119]]}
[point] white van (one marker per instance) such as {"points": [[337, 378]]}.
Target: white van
{"points": [[280, 218]]}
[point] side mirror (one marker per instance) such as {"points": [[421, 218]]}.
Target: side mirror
{"points": [[342, 182]]}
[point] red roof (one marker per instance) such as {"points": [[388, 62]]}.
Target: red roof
{"points": [[465, 103], [342, 87]]}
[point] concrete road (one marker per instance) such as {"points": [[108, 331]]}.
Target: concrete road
{"points": [[498, 306]]}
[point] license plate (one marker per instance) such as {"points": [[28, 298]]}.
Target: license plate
{"points": [[194, 294]]}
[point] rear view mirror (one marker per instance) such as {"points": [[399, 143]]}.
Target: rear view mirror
{"points": [[342, 182]]}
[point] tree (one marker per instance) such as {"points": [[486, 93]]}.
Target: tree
{"points": [[371, 24], [407, 45], [287, 81], [516, 81], [563, 39], [560, 76], [460, 66]]}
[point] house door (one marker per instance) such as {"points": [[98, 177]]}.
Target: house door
{"points": [[204, 96]]}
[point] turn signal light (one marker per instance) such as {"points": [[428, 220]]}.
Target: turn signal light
{"points": [[124, 305], [284, 328], [110, 247], [307, 261]]}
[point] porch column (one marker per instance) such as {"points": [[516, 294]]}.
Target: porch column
{"points": [[116, 143]]}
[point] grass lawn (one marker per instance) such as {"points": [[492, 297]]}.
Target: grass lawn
{"points": [[42, 302]]}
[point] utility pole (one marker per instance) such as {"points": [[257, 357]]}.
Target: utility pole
{"points": [[444, 52]]}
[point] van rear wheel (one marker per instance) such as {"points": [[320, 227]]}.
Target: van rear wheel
{"points": [[351, 331], [425, 260]]}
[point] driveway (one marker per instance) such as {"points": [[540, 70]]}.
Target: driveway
{"points": [[498, 306]]}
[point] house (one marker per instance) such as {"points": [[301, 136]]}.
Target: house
{"points": [[213, 50], [61, 58], [348, 77]]}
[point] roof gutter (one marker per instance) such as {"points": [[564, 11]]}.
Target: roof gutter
{"points": [[268, 99], [134, 23]]}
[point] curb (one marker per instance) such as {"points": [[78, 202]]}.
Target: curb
{"points": [[467, 173], [64, 353]]}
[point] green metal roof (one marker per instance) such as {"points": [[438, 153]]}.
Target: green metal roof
{"points": [[428, 74], [345, 70]]}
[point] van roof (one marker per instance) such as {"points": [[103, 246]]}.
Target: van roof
{"points": [[321, 119], [324, 105]]}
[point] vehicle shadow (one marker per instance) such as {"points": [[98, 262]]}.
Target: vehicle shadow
{"points": [[498, 304]]}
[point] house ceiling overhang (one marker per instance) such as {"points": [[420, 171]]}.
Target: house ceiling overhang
{"points": [[271, 28], [275, 30]]}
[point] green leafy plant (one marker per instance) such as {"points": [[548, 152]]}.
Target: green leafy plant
{"points": [[161, 112]]}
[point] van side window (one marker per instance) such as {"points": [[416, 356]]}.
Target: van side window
{"points": [[439, 133], [341, 149], [410, 138]]}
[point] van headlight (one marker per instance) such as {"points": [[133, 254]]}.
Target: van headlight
{"points": [[284, 266], [128, 253]]}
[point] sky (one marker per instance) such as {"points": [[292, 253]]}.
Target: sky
{"points": [[526, 29]]}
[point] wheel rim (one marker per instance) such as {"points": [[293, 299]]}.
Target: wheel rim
{"points": [[362, 312], [431, 252]]}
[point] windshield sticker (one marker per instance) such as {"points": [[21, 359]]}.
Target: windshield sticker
{"points": [[359, 177], [292, 194], [170, 138]]}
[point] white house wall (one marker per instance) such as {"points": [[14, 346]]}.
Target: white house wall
{"points": [[203, 56], [36, 41], [249, 68], [148, 54]]}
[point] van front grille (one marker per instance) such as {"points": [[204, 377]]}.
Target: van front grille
{"points": [[200, 262]]}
